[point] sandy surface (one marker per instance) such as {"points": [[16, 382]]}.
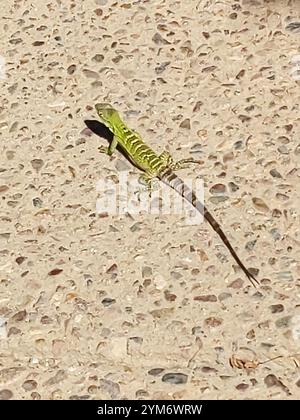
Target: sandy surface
{"points": [[140, 305]]}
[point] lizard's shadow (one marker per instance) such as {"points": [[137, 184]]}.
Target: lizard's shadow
{"points": [[99, 129], [102, 131]]}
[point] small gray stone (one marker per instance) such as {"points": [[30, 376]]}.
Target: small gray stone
{"points": [[283, 322], [37, 164], [175, 378], [276, 308], [293, 27], [185, 124], [159, 40], [275, 173], [29, 385], [37, 202], [71, 69], [108, 301], [146, 271], [112, 388], [6, 394], [98, 58], [79, 397], [162, 67], [136, 227], [155, 371]]}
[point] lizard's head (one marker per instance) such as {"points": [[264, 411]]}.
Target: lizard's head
{"points": [[108, 115]]}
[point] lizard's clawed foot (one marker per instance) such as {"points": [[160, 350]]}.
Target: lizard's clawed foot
{"points": [[103, 149], [106, 150]]}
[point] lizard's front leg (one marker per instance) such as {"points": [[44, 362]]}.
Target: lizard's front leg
{"points": [[111, 148]]}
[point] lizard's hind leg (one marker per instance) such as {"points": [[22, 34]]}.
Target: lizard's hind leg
{"points": [[150, 183], [184, 163], [181, 164]]}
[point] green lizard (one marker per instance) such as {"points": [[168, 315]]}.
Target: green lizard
{"points": [[157, 166]]}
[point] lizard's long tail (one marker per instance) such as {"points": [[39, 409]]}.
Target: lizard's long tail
{"points": [[172, 180]]}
